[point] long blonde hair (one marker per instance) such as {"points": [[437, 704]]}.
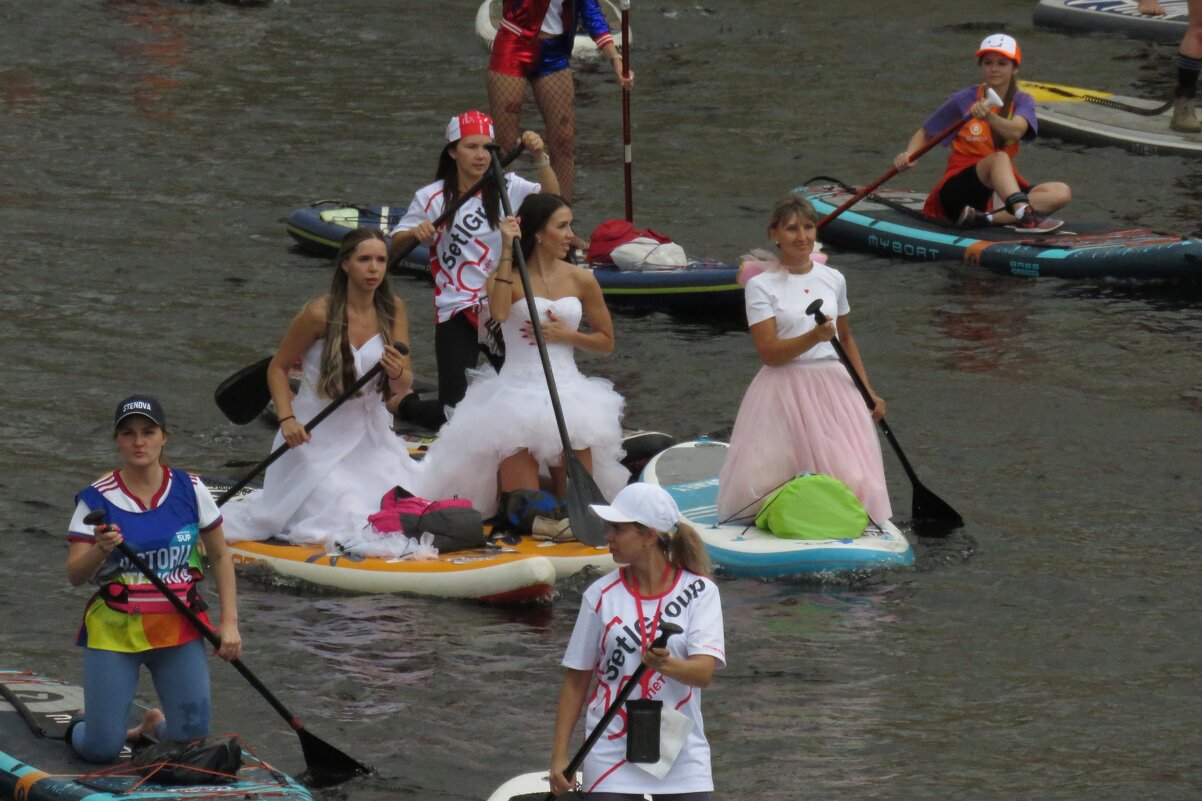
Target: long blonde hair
{"points": [[337, 363]]}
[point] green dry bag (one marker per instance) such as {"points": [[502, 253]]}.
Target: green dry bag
{"points": [[813, 506]]}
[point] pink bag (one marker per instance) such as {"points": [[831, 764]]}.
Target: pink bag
{"points": [[453, 522]]}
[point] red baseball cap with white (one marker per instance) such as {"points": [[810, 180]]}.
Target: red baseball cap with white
{"points": [[1003, 45], [469, 123]]}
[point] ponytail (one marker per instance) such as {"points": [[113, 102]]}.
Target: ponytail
{"points": [[686, 551]]}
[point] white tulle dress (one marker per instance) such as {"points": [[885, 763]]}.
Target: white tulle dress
{"points": [[321, 492], [503, 413]]}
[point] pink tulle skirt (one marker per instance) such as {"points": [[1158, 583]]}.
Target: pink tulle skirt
{"points": [[796, 418]]}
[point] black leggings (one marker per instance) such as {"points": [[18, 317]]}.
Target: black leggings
{"points": [[456, 350]]}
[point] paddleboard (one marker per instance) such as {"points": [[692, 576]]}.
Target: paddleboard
{"points": [[488, 16], [704, 286], [37, 765], [891, 223], [527, 787], [1115, 16], [1102, 118], [689, 472]]}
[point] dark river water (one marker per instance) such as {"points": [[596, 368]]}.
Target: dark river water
{"points": [[149, 151]]}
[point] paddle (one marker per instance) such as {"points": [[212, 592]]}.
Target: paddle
{"points": [[325, 765], [312, 424], [582, 490], [625, 6], [242, 396], [928, 510], [666, 630], [990, 95]]}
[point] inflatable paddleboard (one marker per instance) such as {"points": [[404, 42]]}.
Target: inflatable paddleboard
{"points": [[891, 224], [1115, 16], [703, 287], [689, 472], [1102, 118], [37, 765], [488, 16]]}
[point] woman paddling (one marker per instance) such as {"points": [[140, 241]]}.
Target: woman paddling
{"points": [[505, 422], [322, 490], [164, 515], [463, 253], [665, 578], [533, 47], [981, 162], [801, 412]]}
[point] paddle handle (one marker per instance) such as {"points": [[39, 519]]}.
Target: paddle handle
{"points": [[445, 217], [626, 149], [97, 517], [312, 424], [666, 630], [990, 95]]}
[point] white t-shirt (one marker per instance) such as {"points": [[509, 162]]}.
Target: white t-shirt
{"points": [[606, 640], [466, 251], [553, 19], [114, 491], [785, 296]]}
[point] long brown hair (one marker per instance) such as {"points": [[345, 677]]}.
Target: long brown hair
{"points": [[337, 362]]}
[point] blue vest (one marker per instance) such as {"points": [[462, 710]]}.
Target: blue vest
{"points": [[165, 536]]}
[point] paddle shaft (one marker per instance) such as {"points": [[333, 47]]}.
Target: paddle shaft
{"points": [[449, 214], [666, 630], [312, 424], [626, 150], [859, 382], [926, 505], [579, 518], [872, 187]]}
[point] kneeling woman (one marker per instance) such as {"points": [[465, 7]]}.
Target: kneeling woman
{"points": [[164, 515], [802, 412], [322, 490], [665, 578], [505, 420]]}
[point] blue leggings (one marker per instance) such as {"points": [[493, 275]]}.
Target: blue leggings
{"points": [[110, 679]]}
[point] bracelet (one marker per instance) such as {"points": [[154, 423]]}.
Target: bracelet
{"points": [[396, 377], [286, 419], [503, 280]]}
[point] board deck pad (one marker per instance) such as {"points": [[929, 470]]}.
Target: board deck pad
{"points": [[1127, 122]]}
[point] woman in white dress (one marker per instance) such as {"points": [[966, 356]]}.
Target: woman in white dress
{"points": [[504, 431], [322, 490]]}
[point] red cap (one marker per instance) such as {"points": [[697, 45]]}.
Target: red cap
{"points": [[469, 123]]}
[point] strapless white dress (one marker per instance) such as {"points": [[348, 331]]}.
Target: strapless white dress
{"points": [[322, 492], [504, 413]]}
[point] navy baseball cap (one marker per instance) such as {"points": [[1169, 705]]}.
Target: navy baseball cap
{"points": [[144, 405]]}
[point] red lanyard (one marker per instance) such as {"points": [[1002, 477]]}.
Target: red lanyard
{"points": [[645, 637]]}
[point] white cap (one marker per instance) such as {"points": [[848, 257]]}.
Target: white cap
{"points": [[1001, 44], [646, 504]]}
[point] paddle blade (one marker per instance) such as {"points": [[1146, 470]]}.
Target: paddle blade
{"points": [[931, 515], [325, 765], [583, 491], [243, 395]]}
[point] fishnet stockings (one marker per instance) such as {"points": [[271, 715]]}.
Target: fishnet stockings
{"points": [[555, 96]]}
